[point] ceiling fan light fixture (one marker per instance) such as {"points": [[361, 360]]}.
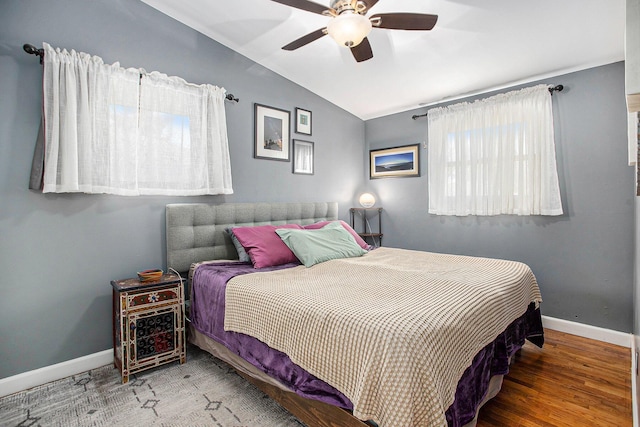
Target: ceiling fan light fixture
{"points": [[349, 28]]}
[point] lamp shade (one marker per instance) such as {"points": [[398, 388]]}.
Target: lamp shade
{"points": [[367, 200], [349, 29]]}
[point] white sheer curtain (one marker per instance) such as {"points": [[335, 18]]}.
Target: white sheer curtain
{"points": [[183, 134], [127, 132], [494, 156]]}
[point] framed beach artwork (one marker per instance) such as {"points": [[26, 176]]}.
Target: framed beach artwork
{"points": [[396, 162], [271, 133]]}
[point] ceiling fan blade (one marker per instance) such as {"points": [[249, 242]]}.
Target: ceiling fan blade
{"points": [[362, 51], [305, 39], [404, 21], [307, 5], [370, 3]]}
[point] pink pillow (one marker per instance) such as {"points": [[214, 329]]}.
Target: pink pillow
{"points": [[264, 246], [359, 240]]}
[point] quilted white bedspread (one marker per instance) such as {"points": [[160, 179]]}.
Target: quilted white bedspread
{"points": [[393, 330]]}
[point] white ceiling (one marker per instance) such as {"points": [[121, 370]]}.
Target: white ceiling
{"points": [[477, 45]]}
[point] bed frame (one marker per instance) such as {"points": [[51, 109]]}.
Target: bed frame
{"points": [[195, 233]]}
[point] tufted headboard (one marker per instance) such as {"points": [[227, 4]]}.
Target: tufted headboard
{"points": [[195, 231]]}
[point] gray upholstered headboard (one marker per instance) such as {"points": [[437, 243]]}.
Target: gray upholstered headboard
{"points": [[195, 231]]}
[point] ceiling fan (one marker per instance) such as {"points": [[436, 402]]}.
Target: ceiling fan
{"points": [[350, 27]]}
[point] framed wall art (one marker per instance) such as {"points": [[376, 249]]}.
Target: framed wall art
{"points": [[271, 133], [395, 162], [303, 121], [302, 157]]}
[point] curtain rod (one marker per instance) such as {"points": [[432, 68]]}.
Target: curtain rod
{"points": [[551, 90], [32, 50]]}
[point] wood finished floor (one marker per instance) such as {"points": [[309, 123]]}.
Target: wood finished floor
{"points": [[571, 381]]}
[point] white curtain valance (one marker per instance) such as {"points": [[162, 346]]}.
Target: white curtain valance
{"points": [[124, 131], [494, 156]]}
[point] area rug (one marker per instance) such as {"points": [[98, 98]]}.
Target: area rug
{"points": [[202, 392]]}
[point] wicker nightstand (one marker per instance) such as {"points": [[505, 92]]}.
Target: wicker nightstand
{"points": [[148, 323]]}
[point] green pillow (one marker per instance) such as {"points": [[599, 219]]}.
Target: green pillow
{"points": [[315, 246]]}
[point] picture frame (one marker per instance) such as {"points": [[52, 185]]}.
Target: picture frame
{"points": [[395, 162], [303, 121], [272, 137], [303, 157]]}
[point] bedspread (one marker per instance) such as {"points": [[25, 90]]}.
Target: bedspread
{"points": [[393, 330], [207, 316]]}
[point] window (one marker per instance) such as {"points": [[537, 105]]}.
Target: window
{"points": [[494, 156], [128, 132]]}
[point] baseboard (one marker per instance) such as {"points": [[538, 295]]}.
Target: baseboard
{"points": [[55, 372], [587, 331]]}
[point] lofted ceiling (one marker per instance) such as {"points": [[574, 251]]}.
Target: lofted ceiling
{"points": [[476, 46]]}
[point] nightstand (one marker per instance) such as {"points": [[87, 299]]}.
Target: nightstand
{"points": [[366, 213], [148, 323]]}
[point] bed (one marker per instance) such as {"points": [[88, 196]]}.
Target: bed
{"points": [[382, 336]]}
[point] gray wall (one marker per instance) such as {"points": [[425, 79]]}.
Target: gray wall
{"points": [[583, 260], [58, 253]]}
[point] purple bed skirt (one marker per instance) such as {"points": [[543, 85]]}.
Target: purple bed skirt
{"points": [[207, 316]]}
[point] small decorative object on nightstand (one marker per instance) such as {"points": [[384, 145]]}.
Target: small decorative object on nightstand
{"points": [[148, 323], [373, 237]]}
